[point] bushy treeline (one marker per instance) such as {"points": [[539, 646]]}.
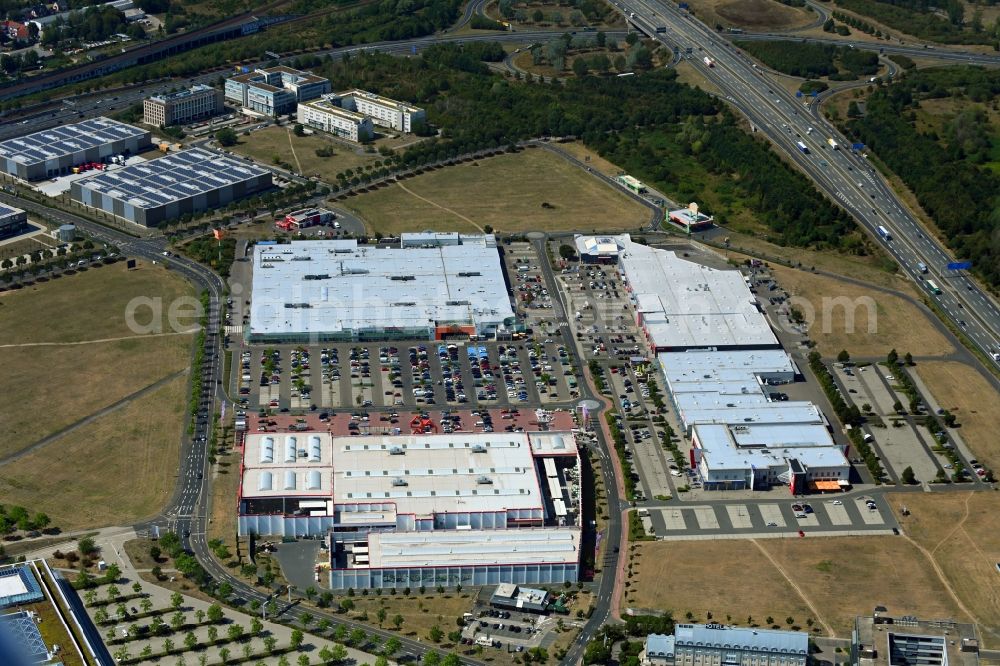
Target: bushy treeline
{"points": [[813, 60], [951, 173], [921, 18]]}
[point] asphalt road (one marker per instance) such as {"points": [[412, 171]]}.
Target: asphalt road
{"points": [[847, 177]]}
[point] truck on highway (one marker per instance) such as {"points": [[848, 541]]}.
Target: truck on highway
{"points": [[884, 233], [709, 61], [660, 29], [932, 287], [802, 147], [833, 144], [922, 266]]}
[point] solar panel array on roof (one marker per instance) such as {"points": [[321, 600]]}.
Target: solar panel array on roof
{"points": [[55, 142], [171, 178], [26, 635]]}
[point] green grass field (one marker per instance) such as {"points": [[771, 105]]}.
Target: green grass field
{"points": [[506, 192], [57, 385]]}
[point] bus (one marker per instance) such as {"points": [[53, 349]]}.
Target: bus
{"points": [[884, 233], [932, 287]]}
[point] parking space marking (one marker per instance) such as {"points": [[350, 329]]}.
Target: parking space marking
{"points": [[739, 516], [837, 513], [771, 513], [870, 516], [705, 515], [674, 518]]}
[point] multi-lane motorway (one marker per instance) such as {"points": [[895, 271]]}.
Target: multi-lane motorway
{"points": [[843, 175]]}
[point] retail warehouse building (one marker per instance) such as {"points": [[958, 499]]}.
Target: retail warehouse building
{"points": [[13, 221], [169, 187], [405, 511], [55, 151], [433, 286], [723, 368]]}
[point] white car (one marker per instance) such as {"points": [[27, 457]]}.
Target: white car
{"points": [[837, 502]]}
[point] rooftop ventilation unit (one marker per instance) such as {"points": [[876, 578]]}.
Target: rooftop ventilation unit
{"points": [[484, 480], [396, 450], [479, 448], [400, 482], [402, 278]]}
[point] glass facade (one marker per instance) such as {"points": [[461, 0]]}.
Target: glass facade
{"points": [[359, 579]]}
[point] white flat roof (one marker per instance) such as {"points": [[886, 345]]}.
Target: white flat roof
{"points": [[11, 585], [811, 446], [473, 547], [773, 413], [552, 444], [327, 286], [687, 305], [420, 474]]}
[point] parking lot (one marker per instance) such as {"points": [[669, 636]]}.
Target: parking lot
{"points": [[401, 375], [817, 514]]}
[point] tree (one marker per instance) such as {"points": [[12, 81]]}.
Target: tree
{"points": [[86, 545], [190, 640], [357, 638], [451, 659], [601, 39], [908, 358], [168, 646], [908, 477], [296, 640], [455, 636], [270, 642], [397, 621], [256, 626], [303, 660], [199, 615], [299, 130], [215, 613], [177, 620], [339, 653], [137, 587], [537, 16], [431, 658], [146, 604], [866, 408], [226, 137], [224, 655], [176, 600], [580, 68], [391, 646], [853, 111], [892, 358], [843, 356], [213, 633], [435, 634], [381, 615], [897, 407], [235, 632]]}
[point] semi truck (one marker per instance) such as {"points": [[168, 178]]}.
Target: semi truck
{"points": [[802, 147], [884, 233], [709, 61], [833, 144]]}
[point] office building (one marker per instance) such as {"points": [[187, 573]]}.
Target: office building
{"points": [[721, 645], [412, 510], [519, 598], [182, 107], [331, 290], [327, 117], [169, 187], [55, 151], [13, 221], [274, 91], [383, 111], [882, 639]]}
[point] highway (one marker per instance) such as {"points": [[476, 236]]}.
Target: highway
{"points": [[847, 178], [947, 56]]}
